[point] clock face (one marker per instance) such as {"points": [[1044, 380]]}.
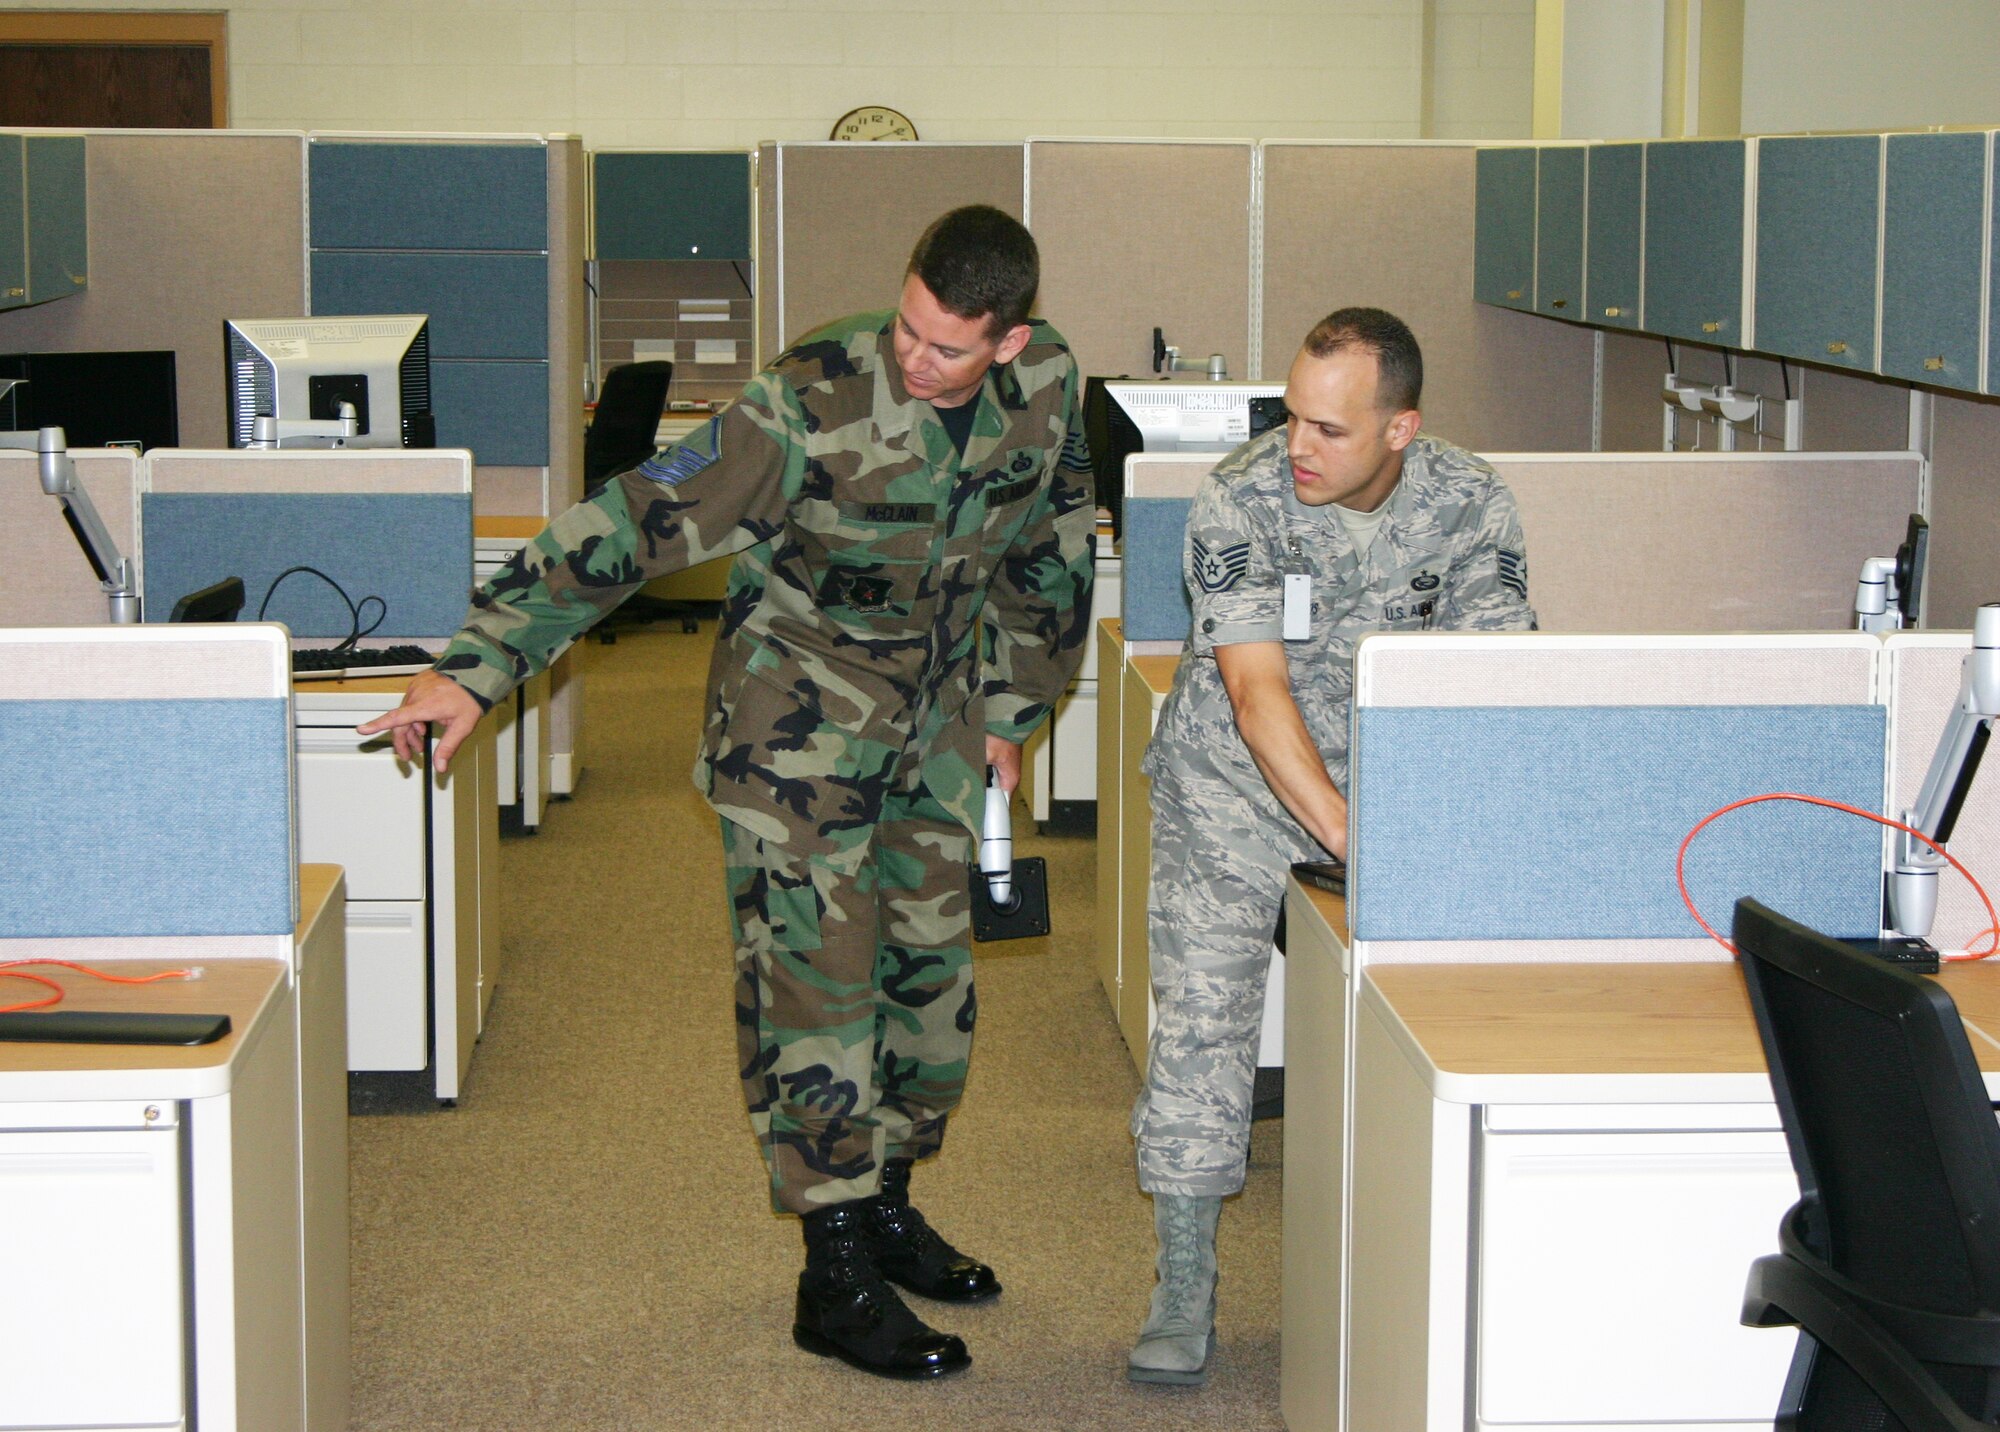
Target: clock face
{"points": [[873, 121]]}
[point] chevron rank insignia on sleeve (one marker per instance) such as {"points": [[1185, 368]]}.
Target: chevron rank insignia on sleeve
{"points": [[684, 459], [1514, 573], [1222, 568]]}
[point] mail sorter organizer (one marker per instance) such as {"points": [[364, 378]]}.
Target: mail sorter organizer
{"points": [[396, 526], [178, 1215], [1525, 1237]]}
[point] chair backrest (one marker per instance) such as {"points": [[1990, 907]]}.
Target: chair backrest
{"points": [[627, 418], [1891, 1130]]}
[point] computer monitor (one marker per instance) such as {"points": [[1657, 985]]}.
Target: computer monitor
{"points": [[219, 602], [1122, 416], [97, 399], [299, 371]]}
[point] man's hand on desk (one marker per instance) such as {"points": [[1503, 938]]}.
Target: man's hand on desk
{"points": [[431, 700]]}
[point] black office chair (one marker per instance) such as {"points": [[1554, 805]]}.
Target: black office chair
{"points": [[1891, 1257], [623, 431]]}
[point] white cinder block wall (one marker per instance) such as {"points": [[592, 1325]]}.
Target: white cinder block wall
{"points": [[729, 73]]}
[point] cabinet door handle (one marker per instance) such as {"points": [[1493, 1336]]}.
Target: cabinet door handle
{"points": [[1712, 327], [1513, 293], [1558, 303], [17, 293], [1614, 312], [1933, 365], [1837, 346]]}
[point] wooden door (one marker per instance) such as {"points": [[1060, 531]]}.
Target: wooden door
{"points": [[105, 70]]}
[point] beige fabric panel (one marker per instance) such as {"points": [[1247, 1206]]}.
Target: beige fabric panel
{"points": [[1142, 236], [357, 470], [1537, 952], [1965, 519], [1390, 226], [767, 253], [186, 230], [569, 332], [513, 492], [1700, 542], [1503, 669], [852, 212], [45, 580], [107, 663], [1167, 474], [1924, 672]]}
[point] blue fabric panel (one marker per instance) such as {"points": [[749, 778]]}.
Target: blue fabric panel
{"points": [[499, 410], [1931, 236], [145, 818], [1503, 245], [58, 225], [412, 550], [1156, 601], [1559, 231], [672, 206], [1561, 822], [1694, 239], [13, 217], [1816, 208], [1611, 263], [429, 196], [480, 305]]}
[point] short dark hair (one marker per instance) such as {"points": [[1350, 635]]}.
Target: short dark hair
{"points": [[1399, 384], [978, 262]]}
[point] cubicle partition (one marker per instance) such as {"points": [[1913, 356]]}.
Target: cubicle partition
{"points": [[1390, 225], [183, 1259], [1538, 1078], [484, 234], [1622, 542], [186, 229], [1137, 235], [838, 221], [421, 907], [45, 577]]}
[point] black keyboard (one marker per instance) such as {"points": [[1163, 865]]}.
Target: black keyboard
{"points": [[336, 659]]}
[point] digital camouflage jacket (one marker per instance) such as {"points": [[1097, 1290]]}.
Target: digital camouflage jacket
{"points": [[885, 590]]}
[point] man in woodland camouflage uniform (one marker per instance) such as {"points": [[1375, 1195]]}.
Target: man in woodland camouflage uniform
{"points": [[1382, 530], [909, 497]]}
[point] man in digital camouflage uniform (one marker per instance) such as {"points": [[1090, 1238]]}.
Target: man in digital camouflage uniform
{"points": [[909, 498], [1387, 530]]}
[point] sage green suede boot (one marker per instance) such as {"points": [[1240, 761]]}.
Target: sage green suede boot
{"points": [[1179, 1335]]}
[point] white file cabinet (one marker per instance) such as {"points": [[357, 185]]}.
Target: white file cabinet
{"points": [[422, 897]]}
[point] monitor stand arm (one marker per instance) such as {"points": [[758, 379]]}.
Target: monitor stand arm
{"points": [[1914, 881], [271, 433], [58, 474]]}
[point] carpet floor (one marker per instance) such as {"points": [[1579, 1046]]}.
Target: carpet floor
{"points": [[584, 1242]]}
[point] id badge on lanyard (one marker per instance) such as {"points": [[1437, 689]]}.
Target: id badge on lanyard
{"points": [[1297, 621]]}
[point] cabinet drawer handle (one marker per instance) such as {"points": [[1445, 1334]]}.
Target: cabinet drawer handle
{"points": [[1614, 312], [1836, 347], [1933, 365], [1558, 303], [1513, 293], [1712, 327]]}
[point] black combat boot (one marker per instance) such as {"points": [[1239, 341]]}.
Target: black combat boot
{"points": [[910, 1253], [845, 1310]]}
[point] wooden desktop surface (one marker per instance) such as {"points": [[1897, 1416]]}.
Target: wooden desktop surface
{"points": [[508, 528], [239, 988], [363, 685], [1156, 671], [1593, 1019]]}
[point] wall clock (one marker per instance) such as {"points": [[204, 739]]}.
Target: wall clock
{"points": [[873, 121]]}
